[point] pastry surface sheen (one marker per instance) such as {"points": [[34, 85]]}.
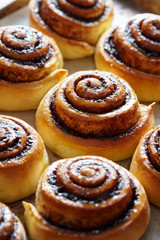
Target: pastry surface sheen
{"points": [[29, 66], [93, 112], [23, 158], [133, 53], [75, 25], [10, 225], [87, 197], [145, 164]]}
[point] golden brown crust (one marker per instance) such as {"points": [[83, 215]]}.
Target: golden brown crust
{"points": [[145, 164], [86, 193], [28, 67], [114, 133], [11, 227], [23, 158], [71, 36], [132, 52]]}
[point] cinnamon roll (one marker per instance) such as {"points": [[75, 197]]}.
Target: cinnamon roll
{"points": [[29, 63], [75, 25], [133, 53], [87, 198], [93, 112], [23, 158], [11, 227], [146, 166]]}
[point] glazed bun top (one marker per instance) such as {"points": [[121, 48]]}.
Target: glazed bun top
{"points": [[137, 44]]}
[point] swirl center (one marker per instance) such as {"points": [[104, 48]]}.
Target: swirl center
{"points": [[89, 171], [89, 175], [20, 34], [92, 88], [88, 178], [65, 12], [23, 44], [19, 38], [62, 186]]}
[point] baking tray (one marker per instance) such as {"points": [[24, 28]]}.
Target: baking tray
{"points": [[122, 11]]}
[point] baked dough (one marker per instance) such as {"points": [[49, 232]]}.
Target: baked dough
{"points": [[87, 197], [93, 112], [133, 53], [29, 67], [75, 25], [11, 227], [145, 164], [23, 158]]}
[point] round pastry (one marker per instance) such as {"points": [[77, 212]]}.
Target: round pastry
{"points": [[146, 165], [133, 53], [75, 25], [93, 112], [23, 158], [11, 227], [29, 63], [87, 198]]}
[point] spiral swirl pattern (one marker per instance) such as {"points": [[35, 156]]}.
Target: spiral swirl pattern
{"points": [[10, 227], [15, 139], [95, 103], [22, 157], [84, 188], [138, 43], [23, 46], [21, 42], [71, 18]]}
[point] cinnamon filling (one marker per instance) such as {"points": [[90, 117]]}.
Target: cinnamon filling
{"points": [[150, 48], [113, 182], [88, 106], [60, 191], [137, 45], [24, 45], [84, 12], [15, 140]]}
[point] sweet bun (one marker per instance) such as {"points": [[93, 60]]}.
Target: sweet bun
{"points": [[29, 67], [146, 166], [93, 112], [87, 197], [11, 227], [75, 25], [133, 53], [23, 158]]}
